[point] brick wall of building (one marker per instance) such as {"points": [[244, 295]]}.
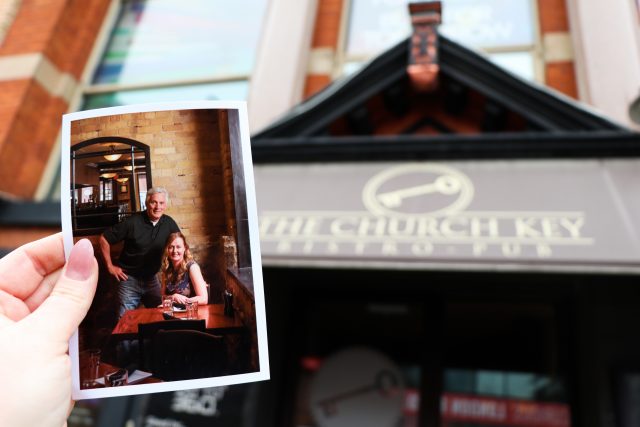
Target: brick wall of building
{"points": [[187, 159], [326, 34], [44, 51], [559, 67]]}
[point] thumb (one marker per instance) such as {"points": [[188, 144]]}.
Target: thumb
{"points": [[61, 313]]}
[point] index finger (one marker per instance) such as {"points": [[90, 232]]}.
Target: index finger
{"points": [[22, 270]]}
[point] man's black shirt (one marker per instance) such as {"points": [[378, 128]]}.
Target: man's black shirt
{"points": [[143, 243]]}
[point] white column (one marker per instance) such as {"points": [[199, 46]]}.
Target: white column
{"points": [[606, 37], [278, 79], [8, 12]]}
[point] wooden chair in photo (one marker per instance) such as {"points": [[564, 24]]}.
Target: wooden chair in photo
{"points": [[184, 355], [147, 334]]}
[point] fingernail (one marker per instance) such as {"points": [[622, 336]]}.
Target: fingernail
{"points": [[80, 261]]}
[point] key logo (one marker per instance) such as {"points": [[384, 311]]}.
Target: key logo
{"points": [[418, 189]]}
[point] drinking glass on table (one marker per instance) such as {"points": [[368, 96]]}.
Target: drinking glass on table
{"points": [[167, 305], [92, 367], [192, 309]]}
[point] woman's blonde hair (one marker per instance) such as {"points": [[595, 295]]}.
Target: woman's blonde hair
{"points": [[168, 273]]}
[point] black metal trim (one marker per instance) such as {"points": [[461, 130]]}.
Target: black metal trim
{"points": [[34, 214], [600, 144], [102, 153], [105, 139]]}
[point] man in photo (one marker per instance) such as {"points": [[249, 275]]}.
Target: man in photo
{"points": [[144, 234]]}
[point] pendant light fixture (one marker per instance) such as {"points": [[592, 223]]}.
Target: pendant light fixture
{"points": [[112, 156]]}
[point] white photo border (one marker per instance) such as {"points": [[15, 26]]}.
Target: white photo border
{"points": [[254, 243]]}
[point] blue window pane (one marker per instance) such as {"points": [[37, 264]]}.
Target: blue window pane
{"points": [[519, 63], [521, 386], [503, 384], [212, 91], [351, 67], [169, 40], [459, 381], [489, 23], [490, 383], [376, 25]]}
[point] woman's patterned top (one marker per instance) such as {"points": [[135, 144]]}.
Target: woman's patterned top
{"points": [[183, 286]]}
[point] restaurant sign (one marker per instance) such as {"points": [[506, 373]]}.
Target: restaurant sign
{"points": [[555, 213]]}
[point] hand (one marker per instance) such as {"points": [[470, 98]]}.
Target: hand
{"points": [[42, 302], [179, 298], [117, 272]]}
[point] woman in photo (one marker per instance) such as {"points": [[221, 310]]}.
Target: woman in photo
{"points": [[180, 274]]}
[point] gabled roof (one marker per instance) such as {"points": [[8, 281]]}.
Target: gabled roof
{"points": [[546, 122]]}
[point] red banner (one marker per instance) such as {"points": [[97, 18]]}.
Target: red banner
{"points": [[502, 412]]}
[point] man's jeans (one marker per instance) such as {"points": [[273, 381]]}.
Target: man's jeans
{"points": [[133, 290]]}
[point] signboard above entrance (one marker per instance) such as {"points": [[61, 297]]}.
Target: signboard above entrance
{"points": [[486, 214]]}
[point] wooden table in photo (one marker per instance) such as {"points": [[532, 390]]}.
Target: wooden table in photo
{"points": [[213, 314]]}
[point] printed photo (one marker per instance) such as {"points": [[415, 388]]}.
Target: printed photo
{"points": [[165, 194]]}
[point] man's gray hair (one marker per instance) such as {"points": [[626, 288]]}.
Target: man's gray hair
{"points": [[157, 190]]}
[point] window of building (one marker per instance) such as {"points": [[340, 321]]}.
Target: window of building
{"points": [[107, 186], [511, 385], [108, 182], [142, 185], [168, 50], [505, 30]]}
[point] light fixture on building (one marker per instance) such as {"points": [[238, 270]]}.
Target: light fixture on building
{"points": [[122, 180], [129, 168], [112, 156], [108, 175]]}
